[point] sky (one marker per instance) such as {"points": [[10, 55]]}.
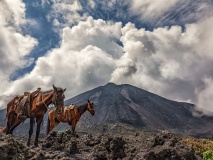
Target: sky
{"points": [[164, 47]]}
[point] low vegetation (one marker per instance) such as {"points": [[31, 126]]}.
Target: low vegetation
{"points": [[202, 147]]}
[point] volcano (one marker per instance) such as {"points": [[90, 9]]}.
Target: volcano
{"points": [[134, 106]]}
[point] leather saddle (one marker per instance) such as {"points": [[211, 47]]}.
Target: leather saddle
{"points": [[24, 104]]}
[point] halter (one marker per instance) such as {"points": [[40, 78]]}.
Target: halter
{"points": [[56, 102]]}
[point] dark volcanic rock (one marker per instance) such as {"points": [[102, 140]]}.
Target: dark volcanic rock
{"points": [[117, 143], [13, 149], [168, 146]]}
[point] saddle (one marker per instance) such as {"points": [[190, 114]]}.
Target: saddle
{"points": [[72, 106], [23, 104], [67, 113]]}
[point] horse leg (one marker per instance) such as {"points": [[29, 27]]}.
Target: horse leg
{"points": [[38, 121], [30, 131], [74, 122], [53, 124], [16, 123], [48, 126], [12, 123]]}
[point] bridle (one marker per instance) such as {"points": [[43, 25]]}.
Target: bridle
{"points": [[90, 109], [55, 101]]}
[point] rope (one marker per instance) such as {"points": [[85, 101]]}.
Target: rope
{"points": [[42, 98]]}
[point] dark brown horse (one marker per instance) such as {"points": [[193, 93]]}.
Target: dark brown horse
{"points": [[38, 107], [71, 115]]}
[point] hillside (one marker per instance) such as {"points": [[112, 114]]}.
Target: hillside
{"points": [[131, 105]]}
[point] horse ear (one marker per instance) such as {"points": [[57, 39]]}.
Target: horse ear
{"points": [[54, 87], [64, 89], [88, 101]]}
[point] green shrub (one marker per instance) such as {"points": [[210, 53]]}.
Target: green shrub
{"points": [[208, 155]]}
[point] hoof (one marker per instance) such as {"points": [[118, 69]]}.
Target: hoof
{"points": [[75, 135], [28, 143], [8, 133], [34, 147], [35, 144]]}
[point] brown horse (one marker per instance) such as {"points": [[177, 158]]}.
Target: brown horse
{"points": [[71, 115], [38, 107]]}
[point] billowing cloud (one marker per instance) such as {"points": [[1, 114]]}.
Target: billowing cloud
{"points": [[14, 46], [85, 59], [204, 96], [168, 61], [12, 13]]}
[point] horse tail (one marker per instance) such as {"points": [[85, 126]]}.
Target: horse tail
{"points": [[6, 116], [3, 130], [48, 125]]}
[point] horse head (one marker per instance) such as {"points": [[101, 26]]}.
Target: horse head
{"points": [[58, 99], [90, 108]]}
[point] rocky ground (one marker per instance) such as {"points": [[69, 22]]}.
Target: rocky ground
{"points": [[108, 142]]}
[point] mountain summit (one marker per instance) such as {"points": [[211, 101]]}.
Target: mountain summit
{"points": [[131, 105]]}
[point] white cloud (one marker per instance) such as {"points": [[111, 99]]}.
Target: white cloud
{"points": [[14, 46], [167, 61], [65, 13], [152, 8], [12, 13], [91, 3], [165, 12], [85, 59], [205, 95], [93, 32]]}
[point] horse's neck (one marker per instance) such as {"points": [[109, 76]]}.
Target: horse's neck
{"points": [[81, 109], [44, 98], [48, 99]]}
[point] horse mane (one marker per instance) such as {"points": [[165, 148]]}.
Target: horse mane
{"points": [[80, 105], [59, 89], [48, 91]]}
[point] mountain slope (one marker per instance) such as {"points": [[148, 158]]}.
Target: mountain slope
{"points": [[128, 104]]}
